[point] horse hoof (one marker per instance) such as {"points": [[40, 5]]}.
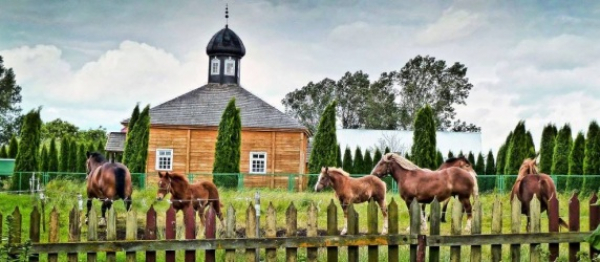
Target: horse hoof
{"points": [[443, 220], [384, 232], [102, 222], [343, 233]]}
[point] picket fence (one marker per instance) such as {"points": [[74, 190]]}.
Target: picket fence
{"points": [[419, 244]]}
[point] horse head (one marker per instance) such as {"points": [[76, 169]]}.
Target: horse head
{"points": [[164, 185], [384, 166], [93, 161], [529, 166], [324, 179]]}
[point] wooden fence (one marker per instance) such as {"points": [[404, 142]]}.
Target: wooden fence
{"points": [[419, 244]]}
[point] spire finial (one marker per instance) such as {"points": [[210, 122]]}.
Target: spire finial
{"points": [[226, 15]]}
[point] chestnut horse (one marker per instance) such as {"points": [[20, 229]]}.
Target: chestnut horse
{"points": [[529, 183], [107, 182], [424, 185], [199, 194], [353, 190], [464, 163]]}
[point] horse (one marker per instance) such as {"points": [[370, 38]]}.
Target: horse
{"points": [[353, 190], [529, 183], [107, 182], [423, 185], [199, 194], [464, 163]]}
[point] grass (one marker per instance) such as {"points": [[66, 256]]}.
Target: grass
{"points": [[62, 195]]}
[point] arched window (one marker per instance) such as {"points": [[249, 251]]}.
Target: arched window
{"points": [[230, 67], [215, 64]]}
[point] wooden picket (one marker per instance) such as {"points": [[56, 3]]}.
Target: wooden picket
{"points": [[457, 213], [352, 231], [92, 233], [291, 215], [534, 215], [111, 233], [14, 232], [250, 231], [332, 230], [131, 233], [210, 233], [373, 250], [594, 220], [553, 226], [189, 220], [574, 225], [497, 228], [434, 229], [150, 233], [271, 231], [53, 233], [476, 229], [393, 251], [34, 230], [229, 232], [515, 221], [311, 231]]}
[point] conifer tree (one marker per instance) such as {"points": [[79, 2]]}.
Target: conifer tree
{"points": [[100, 147], [575, 180], [348, 162], [130, 146], [325, 144], [406, 155], [3, 152], [547, 148], [530, 146], [450, 154], [52, 158], [501, 157], [81, 158], [228, 147], [141, 137], [471, 158], [358, 165], [376, 157], [460, 153], [560, 159], [387, 150], [63, 165], [368, 163], [73, 157], [43, 160], [480, 165], [13, 148], [27, 157], [339, 157], [490, 171], [517, 152], [423, 150], [439, 159], [591, 159]]}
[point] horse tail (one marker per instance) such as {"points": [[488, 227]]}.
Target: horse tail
{"points": [[120, 181], [475, 185], [551, 190], [214, 200]]}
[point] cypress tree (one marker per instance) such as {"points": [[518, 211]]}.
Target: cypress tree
{"points": [[480, 165], [423, 150], [100, 147], [471, 158], [73, 157], [501, 157], [63, 166], [130, 146], [13, 147], [348, 162], [81, 158], [460, 153], [27, 157], [324, 150], [3, 153], [439, 159], [450, 154], [547, 148], [376, 157], [387, 150], [359, 164], [368, 163], [591, 159], [530, 146], [141, 137], [560, 159], [339, 157], [490, 172], [517, 152], [43, 160], [228, 147], [406, 155], [52, 157], [575, 180]]}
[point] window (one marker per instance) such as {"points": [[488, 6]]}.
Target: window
{"points": [[258, 163], [230, 67], [214, 66], [164, 159]]}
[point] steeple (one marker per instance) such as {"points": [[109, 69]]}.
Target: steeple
{"points": [[225, 50]]}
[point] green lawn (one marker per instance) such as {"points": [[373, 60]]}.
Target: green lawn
{"points": [[62, 195]]}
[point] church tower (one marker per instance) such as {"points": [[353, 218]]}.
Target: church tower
{"points": [[225, 51]]}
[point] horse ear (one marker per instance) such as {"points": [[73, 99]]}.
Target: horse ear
{"points": [[160, 174], [388, 157]]}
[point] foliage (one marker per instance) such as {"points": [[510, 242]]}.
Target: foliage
{"points": [[130, 147], [43, 163], [530, 146], [518, 150], [547, 148], [423, 150], [490, 171], [471, 158], [81, 159], [52, 157], [358, 165], [58, 128], [309, 102], [376, 156], [501, 157], [3, 152], [387, 150], [591, 159], [450, 154], [427, 81], [325, 142], [27, 158], [348, 161], [10, 98], [13, 148], [380, 110], [479, 165], [439, 159], [560, 159], [140, 135], [73, 156], [65, 148], [338, 159], [576, 163], [460, 153], [228, 147], [368, 163], [100, 146]]}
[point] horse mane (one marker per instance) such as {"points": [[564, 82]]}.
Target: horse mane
{"points": [[454, 159], [97, 157], [338, 170], [403, 162], [178, 176], [528, 167]]}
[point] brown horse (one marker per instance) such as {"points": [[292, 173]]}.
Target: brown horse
{"points": [[353, 190], [107, 182], [460, 162], [199, 194], [529, 183], [424, 185]]}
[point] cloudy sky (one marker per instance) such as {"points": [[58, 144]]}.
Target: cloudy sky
{"points": [[90, 62]]}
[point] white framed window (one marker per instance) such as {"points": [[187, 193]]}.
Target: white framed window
{"points": [[258, 162], [215, 64], [230, 67], [164, 159]]}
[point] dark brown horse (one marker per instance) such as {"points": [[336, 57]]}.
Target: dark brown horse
{"points": [[353, 190], [200, 194], [460, 162], [424, 185], [529, 183], [107, 182]]}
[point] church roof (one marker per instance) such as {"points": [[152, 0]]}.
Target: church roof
{"points": [[204, 106], [225, 42]]}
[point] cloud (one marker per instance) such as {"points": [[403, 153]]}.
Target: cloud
{"points": [[454, 24]]}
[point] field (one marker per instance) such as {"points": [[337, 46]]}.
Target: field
{"points": [[62, 195]]}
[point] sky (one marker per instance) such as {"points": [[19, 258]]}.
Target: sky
{"points": [[90, 62]]}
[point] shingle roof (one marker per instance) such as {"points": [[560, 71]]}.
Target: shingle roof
{"points": [[204, 106], [115, 142]]}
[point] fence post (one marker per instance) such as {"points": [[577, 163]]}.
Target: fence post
{"points": [[574, 225], [92, 232], [14, 232], [534, 211], [311, 231], [170, 231], [75, 231], [257, 225], [332, 252], [210, 233], [229, 232], [553, 225], [271, 231], [250, 230], [372, 219], [291, 254], [111, 232], [393, 254], [150, 232], [497, 228], [515, 209], [131, 232], [415, 227], [476, 229], [34, 230], [53, 234], [189, 220], [434, 230], [352, 231], [457, 213], [594, 220]]}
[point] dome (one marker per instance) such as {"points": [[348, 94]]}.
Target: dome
{"points": [[225, 42]]}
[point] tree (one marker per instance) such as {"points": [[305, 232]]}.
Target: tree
{"points": [[376, 156], [368, 163], [130, 148], [58, 128], [471, 158], [309, 102], [462, 126], [490, 170], [518, 150], [92, 134], [65, 144], [3, 152], [141, 138], [450, 154], [423, 150], [13, 148], [387, 150], [351, 92], [547, 148], [574, 181], [460, 153], [81, 158], [228, 147], [43, 163], [338, 161], [439, 159], [100, 147], [530, 146], [380, 110], [358, 165], [73, 156], [427, 81], [501, 157], [348, 162], [27, 158], [591, 159], [560, 159], [324, 148], [10, 98], [52, 157]]}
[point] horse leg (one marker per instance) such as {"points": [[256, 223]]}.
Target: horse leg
{"points": [[444, 210], [345, 229], [106, 205], [469, 209], [384, 212], [87, 213], [128, 201], [423, 220]]}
